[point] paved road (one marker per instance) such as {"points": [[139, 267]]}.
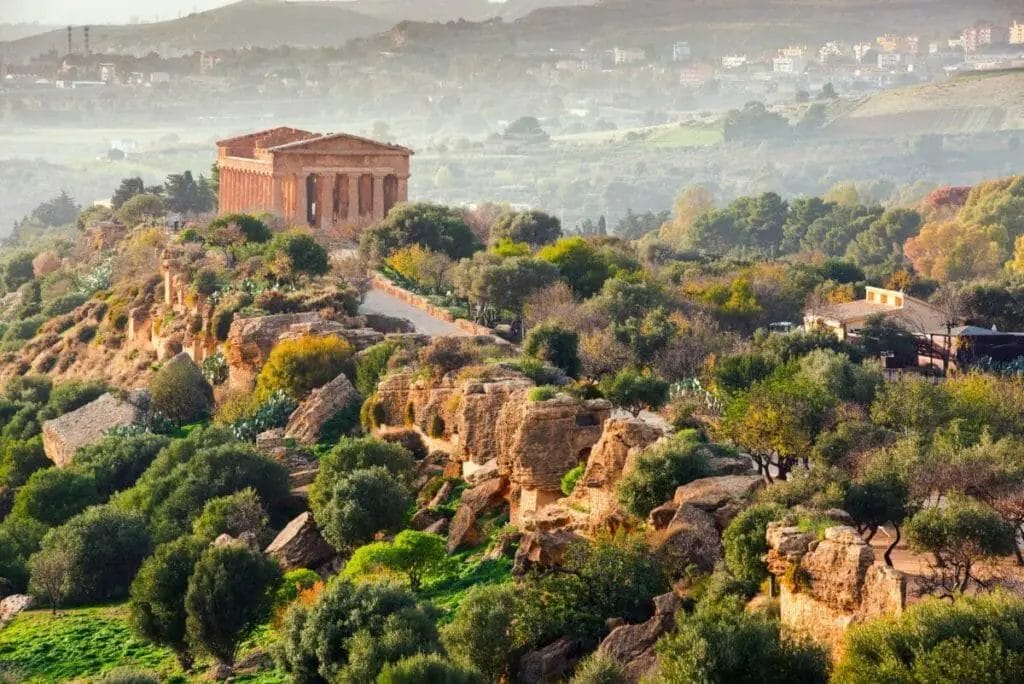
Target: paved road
{"points": [[380, 302]]}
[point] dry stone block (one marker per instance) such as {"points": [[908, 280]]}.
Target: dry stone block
{"points": [[299, 545]]}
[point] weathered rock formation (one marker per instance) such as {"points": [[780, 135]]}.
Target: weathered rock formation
{"points": [[307, 421], [491, 423], [633, 645], [825, 586], [611, 458], [542, 549], [463, 529], [702, 510], [63, 436], [299, 545], [550, 664], [250, 340], [539, 442]]}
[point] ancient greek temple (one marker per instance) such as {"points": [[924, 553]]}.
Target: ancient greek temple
{"points": [[337, 183]]}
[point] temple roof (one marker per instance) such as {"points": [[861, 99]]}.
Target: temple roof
{"points": [[299, 134], [340, 136]]}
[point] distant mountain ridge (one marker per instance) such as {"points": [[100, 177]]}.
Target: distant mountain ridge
{"points": [[250, 23]]}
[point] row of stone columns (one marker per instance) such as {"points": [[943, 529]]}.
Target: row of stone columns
{"points": [[250, 190]]}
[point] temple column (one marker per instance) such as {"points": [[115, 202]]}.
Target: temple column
{"points": [[246, 190], [403, 188], [353, 197], [276, 196], [378, 198], [301, 203], [325, 199]]}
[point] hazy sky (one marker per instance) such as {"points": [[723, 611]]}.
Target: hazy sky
{"points": [[98, 11]]}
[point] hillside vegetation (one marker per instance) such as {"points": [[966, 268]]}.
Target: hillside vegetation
{"points": [[973, 103]]}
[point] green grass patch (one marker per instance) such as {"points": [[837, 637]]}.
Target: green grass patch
{"points": [[464, 571], [685, 136], [77, 643], [81, 643]]}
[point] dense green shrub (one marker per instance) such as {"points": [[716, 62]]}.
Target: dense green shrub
{"points": [[295, 254], [635, 390], [116, 462], [53, 495], [722, 642], [20, 458], [181, 393], [408, 439], [608, 576], [972, 639], [68, 396], [64, 304], [13, 565], [427, 669], [173, 491], [744, 542], [371, 365], [570, 479], [556, 345], [223, 229], [412, 554], [352, 632], [659, 471], [580, 263], [294, 582], [535, 228], [296, 367], [365, 452], [352, 509], [480, 634], [103, 548], [228, 593], [599, 668], [438, 228], [237, 514], [157, 596]]}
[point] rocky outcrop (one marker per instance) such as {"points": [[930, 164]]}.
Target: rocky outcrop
{"points": [[11, 605], [702, 510], [250, 340], [550, 664], [633, 645], [63, 436], [463, 530], [539, 442], [476, 419], [542, 549], [307, 421], [299, 545], [825, 586], [611, 458]]}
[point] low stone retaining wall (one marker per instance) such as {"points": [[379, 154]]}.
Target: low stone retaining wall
{"points": [[384, 284]]}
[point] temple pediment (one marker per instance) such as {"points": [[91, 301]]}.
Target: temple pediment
{"points": [[341, 143]]}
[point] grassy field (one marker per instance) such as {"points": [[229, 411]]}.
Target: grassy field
{"points": [[85, 642], [81, 643]]}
